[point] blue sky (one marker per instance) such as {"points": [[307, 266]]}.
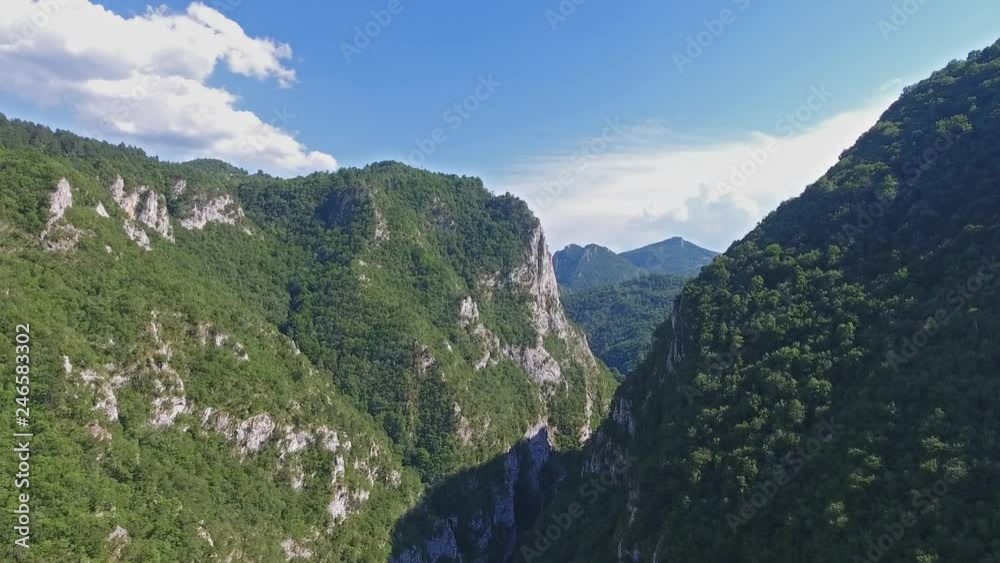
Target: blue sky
{"points": [[557, 81]]}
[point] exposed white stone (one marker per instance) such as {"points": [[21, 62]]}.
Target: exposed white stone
{"points": [[537, 275], [166, 410], [154, 215], [295, 550], [152, 212], [395, 478], [104, 389], [101, 211], [330, 439], [203, 534], [136, 233], [128, 202], [99, 433], [118, 538], [117, 190], [60, 201], [293, 442], [338, 505], [221, 210], [468, 312], [179, 188], [59, 235], [537, 361], [253, 433], [338, 470]]}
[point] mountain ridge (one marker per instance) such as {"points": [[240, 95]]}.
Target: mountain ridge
{"points": [[293, 360], [593, 265]]}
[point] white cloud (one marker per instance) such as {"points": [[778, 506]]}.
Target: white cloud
{"points": [[144, 79], [647, 189]]}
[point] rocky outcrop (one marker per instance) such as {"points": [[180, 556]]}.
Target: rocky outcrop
{"points": [[381, 227], [253, 433], [59, 235], [208, 334], [536, 277], [151, 372], [104, 385], [221, 210], [136, 234], [296, 550], [204, 534], [468, 318], [118, 540], [142, 207], [154, 215]]}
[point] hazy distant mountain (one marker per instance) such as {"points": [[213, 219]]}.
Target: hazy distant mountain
{"points": [[580, 267], [673, 256]]}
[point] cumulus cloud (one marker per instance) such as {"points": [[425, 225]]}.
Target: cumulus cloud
{"points": [[649, 184], [144, 79]]}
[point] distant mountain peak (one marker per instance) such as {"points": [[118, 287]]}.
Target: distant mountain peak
{"points": [[581, 267]]}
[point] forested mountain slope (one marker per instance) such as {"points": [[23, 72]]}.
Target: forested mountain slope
{"points": [[827, 390], [674, 256], [619, 319], [579, 267], [240, 367]]}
